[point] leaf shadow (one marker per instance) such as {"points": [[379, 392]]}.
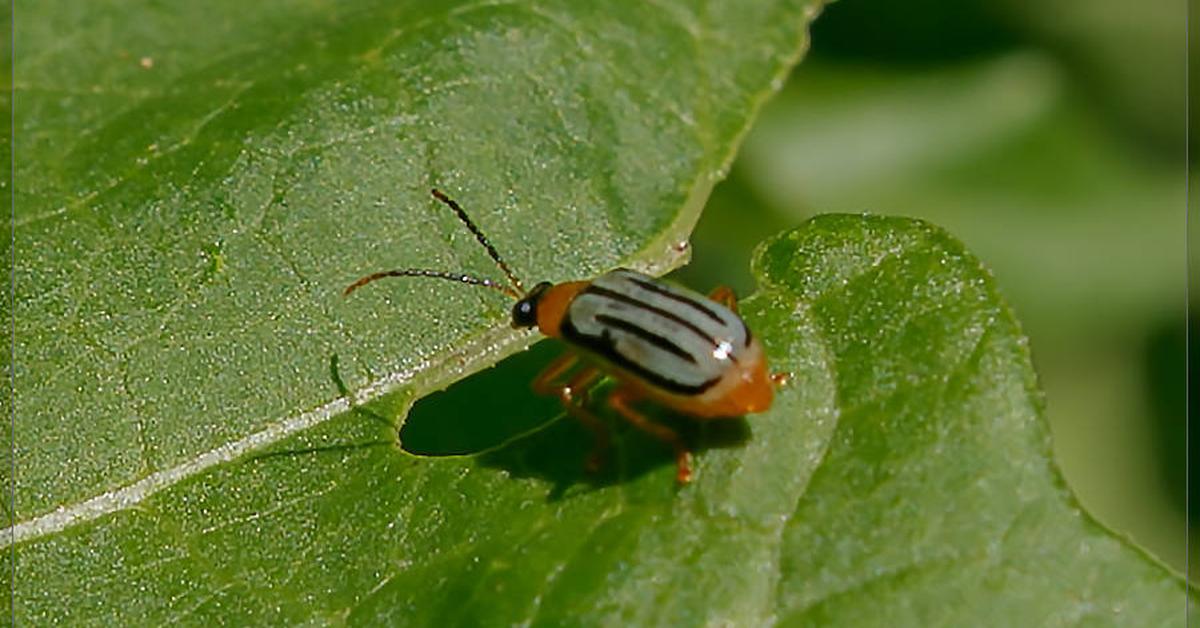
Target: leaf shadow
{"points": [[496, 416], [558, 453]]}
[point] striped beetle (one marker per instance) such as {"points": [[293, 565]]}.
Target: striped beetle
{"points": [[659, 342]]}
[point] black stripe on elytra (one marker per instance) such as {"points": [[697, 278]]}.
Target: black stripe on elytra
{"points": [[667, 314], [661, 342], [605, 346], [657, 289]]}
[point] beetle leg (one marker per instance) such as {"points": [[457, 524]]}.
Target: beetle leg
{"points": [[725, 296], [573, 395], [544, 384], [620, 400]]}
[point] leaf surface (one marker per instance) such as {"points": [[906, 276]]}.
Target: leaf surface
{"points": [[903, 477], [192, 201], [196, 184]]}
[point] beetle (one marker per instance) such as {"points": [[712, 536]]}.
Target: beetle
{"points": [[659, 342]]}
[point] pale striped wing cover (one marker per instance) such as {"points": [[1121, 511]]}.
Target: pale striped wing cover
{"points": [[673, 338]]}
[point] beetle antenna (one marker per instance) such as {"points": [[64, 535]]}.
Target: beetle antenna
{"points": [[466, 220], [436, 274]]}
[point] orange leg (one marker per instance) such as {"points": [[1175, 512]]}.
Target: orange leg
{"points": [[725, 296], [620, 400], [544, 384], [573, 396]]}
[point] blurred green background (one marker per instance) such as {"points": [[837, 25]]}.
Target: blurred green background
{"points": [[1050, 137]]}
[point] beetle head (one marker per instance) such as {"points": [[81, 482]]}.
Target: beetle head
{"points": [[524, 311]]}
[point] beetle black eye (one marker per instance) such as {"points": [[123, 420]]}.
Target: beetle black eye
{"points": [[524, 314]]}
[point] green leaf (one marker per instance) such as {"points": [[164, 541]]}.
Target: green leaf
{"points": [[6, 362], [936, 500], [1012, 156], [195, 184], [903, 477], [192, 201]]}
